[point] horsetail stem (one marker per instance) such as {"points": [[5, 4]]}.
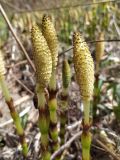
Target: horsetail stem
{"points": [[100, 46], [66, 78], [50, 35], [86, 143], [43, 123], [14, 114], [84, 69], [43, 63], [86, 104]]}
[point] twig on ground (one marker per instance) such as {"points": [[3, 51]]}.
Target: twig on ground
{"points": [[15, 36], [25, 87], [17, 64], [74, 125], [108, 150], [33, 113], [111, 133], [66, 145], [5, 131], [22, 100], [99, 148], [64, 154]]}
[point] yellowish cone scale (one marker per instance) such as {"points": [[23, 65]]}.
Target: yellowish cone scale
{"points": [[84, 66], [50, 35], [100, 46], [2, 65], [42, 57]]}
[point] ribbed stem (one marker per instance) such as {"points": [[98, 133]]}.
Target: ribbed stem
{"points": [[14, 115], [43, 124], [66, 78], [52, 84], [86, 135], [86, 104], [63, 115], [97, 67], [84, 69], [5, 89], [52, 103], [86, 143]]}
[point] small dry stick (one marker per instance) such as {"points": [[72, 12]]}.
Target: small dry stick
{"points": [[108, 150], [15, 36], [74, 125], [24, 86], [66, 145], [17, 64]]}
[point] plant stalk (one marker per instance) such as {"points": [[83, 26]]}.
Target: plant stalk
{"points": [[86, 104], [14, 115], [43, 123], [64, 112], [86, 135], [52, 103], [86, 143]]}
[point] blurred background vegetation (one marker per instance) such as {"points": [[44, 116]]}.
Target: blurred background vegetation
{"points": [[90, 17]]}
